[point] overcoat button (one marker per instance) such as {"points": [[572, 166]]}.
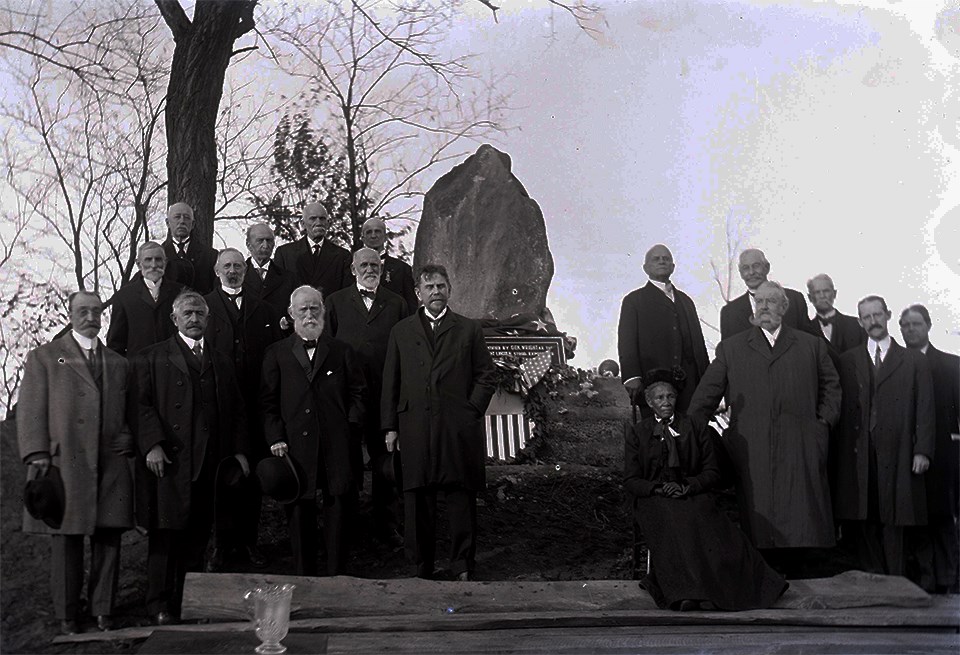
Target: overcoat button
{"points": [[304, 433], [176, 426], [176, 449], [179, 383], [178, 405], [307, 410]]}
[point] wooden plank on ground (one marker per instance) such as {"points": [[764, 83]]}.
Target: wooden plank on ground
{"points": [[219, 596], [562, 641], [942, 616]]}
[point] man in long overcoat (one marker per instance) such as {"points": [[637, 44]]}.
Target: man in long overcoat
{"points": [[191, 417], [887, 438], [437, 382], [266, 279], [736, 315], [784, 394], [241, 327], [314, 259], [362, 316], [189, 262], [312, 401], [71, 415], [659, 328], [939, 543]]}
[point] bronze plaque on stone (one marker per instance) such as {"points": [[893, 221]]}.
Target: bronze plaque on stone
{"points": [[526, 347]]}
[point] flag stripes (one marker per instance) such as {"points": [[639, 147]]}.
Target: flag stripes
{"points": [[507, 434]]}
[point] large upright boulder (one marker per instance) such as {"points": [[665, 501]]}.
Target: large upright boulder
{"points": [[479, 222]]}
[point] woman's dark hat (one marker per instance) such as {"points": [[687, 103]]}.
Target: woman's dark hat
{"points": [[673, 376], [279, 478], [44, 498]]}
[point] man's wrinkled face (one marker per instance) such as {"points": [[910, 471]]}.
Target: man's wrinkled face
{"points": [[434, 292], [315, 222], [374, 234], [915, 331], [85, 315], [180, 220], [822, 294], [260, 243], [662, 399], [191, 319], [658, 264], [366, 268], [771, 306], [753, 269], [874, 319], [152, 263], [306, 308], [230, 269]]}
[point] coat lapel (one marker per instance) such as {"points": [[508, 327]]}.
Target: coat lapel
{"points": [[784, 342], [378, 304], [445, 326], [658, 296], [175, 355], [891, 362], [759, 343], [319, 355], [74, 359], [300, 354], [145, 296]]}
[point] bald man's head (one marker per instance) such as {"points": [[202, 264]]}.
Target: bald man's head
{"points": [[374, 233], [260, 242], [658, 263]]}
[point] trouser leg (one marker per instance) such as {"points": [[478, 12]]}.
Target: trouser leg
{"points": [[462, 518], [337, 514], [302, 525], [421, 523], [66, 574], [894, 554], [104, 570], [162, 570]]}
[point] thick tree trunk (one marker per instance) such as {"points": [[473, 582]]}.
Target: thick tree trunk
{"points": [[200, 59]]}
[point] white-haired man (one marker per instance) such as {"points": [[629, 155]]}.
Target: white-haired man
{"points": [[842, 332], [315, 260], [396, 274], [188, 261], [735, 316]]}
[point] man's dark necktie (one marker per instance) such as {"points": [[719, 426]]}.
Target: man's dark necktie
{"points": [[367, 293], [876, 358], [316, 250], [93, 361], [307, 345], [182, 249], [197, 351], [824, 322], [235, 297]]}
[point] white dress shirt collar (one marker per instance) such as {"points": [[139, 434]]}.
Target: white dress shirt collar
{"points": [[153, 286], [191, 342], [772, 336], [85, 343], [431, 317], [264, 268], [313, 244], [666, 287], [925, 348], [884, 347], [230, 291]]}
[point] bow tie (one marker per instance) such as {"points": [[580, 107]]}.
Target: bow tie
{"points": [[827, 321], [367, 293], [662, 428], [309, 343]]}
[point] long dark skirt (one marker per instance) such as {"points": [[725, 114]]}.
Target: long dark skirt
{"points": [[698, 554]]}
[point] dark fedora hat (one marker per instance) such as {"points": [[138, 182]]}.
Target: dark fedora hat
{"points": [[279, 478], [44, 498], [674, 376], [388, 465], [229, 473]]}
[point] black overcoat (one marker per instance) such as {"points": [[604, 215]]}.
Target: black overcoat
{"points": [[328, 273], [735, 315], [195, 270], [397, 275], [274, 290], [435, 397], [136, 320], [312, 406], [944, 475]]}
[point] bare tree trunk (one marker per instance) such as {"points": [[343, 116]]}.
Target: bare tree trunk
{"points": [[202, 53]]}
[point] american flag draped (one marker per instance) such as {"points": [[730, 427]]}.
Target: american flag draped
{"points": [[534, 368]]}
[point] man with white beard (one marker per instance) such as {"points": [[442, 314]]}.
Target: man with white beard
{"points": [[312, 401]]}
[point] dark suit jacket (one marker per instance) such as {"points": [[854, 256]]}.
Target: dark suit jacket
{"points": [[398, 277], [846, 334], [943, 479], [165, 416], [906, 426], [312, 406], [649, 337], [136, 321], [195, 270], [274, 291], [436, 396], [643, 463], [367, 333], [329, 273], [735, 315]]}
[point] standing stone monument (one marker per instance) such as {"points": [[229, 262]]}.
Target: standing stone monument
{"points": [[479, 222]]}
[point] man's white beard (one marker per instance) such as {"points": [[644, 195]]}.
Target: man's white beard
{"points": [[308, 332]]}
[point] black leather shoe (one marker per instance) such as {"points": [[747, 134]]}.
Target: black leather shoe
{"points": [[256, 556], [464, 576], [69, 627], [688, 605], [163, 618], [104, 623], [215, 563]]}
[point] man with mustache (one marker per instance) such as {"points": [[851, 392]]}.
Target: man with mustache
{"points": [[887, 435], [659, 328], [939, 542], [140, 310], [190, 417], [240, 327], [266, 279], [438, 379], [315, 260], [190, 262], [784, 394], [396, 274], [362, 316], [312, 400], [841, 332], [735, 315], [71, 415]]}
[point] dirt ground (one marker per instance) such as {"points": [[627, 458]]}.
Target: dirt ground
{"points": [[562, 517]]}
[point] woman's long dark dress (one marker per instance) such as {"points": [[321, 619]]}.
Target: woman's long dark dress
{"points": [[696, 552]]}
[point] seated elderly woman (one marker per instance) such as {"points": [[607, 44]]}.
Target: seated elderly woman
{"points": [[699, 558]]}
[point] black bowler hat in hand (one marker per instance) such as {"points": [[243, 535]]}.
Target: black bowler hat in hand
{"points": [[388, 465], [44, 498], [279, 478]]}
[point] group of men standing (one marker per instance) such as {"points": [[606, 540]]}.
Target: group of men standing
{"points": [[224, 377], [832, 423]]}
